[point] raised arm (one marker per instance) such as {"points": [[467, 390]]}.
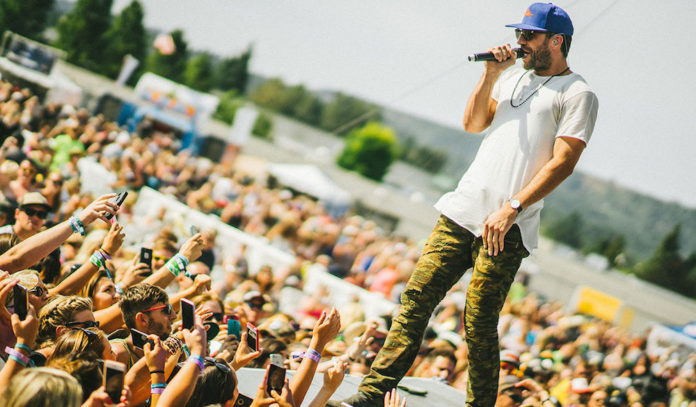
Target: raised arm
{"points": [[30, 251], [325, 330], [480, 108], [191, 250], [74, 282]]}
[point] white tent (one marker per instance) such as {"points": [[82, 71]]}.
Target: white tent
{"points": [[312, 181]]}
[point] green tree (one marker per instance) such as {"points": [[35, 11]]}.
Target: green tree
{"points": [[270, 94], [566, 230], [667, 268], [610, 247], [25, 17], [262, 126], [369, 150], [227, 108], [199, 72], [233, 73], [345, 113], [126, 35], [170, 66], [82, 34]]}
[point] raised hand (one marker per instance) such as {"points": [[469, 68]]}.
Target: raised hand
{"points": [[327, 327], [244, 354], [192, 248], [155, 356], [393, 399], [26, 330], [132, 273], [195, 338], [97, 209], [334, 376], [114, 239]]}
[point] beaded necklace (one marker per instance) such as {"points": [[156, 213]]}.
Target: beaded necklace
{"points": [[535, 90]]}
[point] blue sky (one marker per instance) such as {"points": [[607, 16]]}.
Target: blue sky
{"points": [[411, 55]]}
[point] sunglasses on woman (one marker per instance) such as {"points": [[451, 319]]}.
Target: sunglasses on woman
{"points": [[83, 324]]}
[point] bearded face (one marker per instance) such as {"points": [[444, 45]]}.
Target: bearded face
{"points": [[539, 59]]}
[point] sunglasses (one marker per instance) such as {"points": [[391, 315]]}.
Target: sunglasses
{"points": [[167, 308], [527, 35], [90, 334], [31, 212], [85, 324], [160, 258], [222, 367], [37, 291]]}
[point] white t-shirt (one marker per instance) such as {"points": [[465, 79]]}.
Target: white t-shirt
{"points": [[517, 144]]}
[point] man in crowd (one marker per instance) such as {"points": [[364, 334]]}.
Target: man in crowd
{"points": [[539, 120], [145, 307], [29, 217]]}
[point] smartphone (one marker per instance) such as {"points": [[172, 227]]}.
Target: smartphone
{"points": [[243, 401], [252, 337], [140, 339], [146, 257], [118, 200], [113, 379], [276, 378], [233, 326], [276, 359], [187, 311], [194, 230], [21, 306]]}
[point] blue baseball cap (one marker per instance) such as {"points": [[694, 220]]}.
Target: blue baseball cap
{"points": [[546, 17]]}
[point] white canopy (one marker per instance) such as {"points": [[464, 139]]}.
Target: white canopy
{"points": [[310, 180]]}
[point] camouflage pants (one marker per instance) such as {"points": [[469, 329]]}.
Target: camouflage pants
{"points": [[448, 253]]}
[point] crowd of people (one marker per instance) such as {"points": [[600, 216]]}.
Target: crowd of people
{"points": [[89, 293]]}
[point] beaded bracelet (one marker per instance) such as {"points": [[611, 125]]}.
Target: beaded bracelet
{"points": [[23, 347], [178, 264], [314, 355], [198, 360], [76, 225], [99, 261], [17, 356]]}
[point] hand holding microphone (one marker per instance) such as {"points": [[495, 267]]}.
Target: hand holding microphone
{"points": [[491, 56]]}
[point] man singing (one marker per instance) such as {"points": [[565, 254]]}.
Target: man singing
{"points": [[538, 121]]}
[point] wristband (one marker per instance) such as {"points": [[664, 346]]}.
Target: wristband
{"points": [[17, 356], [158, 385], [198, 360], [186, 350], [157, 391], [105, 253], [156, 371], [119, 289], [23, 347], [76, 225], [314, 355], [99, 261]]}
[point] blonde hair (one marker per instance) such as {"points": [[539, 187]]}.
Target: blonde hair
{"points": [[42, 387], [59, 311], [77, 342]]}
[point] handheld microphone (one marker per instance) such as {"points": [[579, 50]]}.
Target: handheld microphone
{"points": [[488, 56]]}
